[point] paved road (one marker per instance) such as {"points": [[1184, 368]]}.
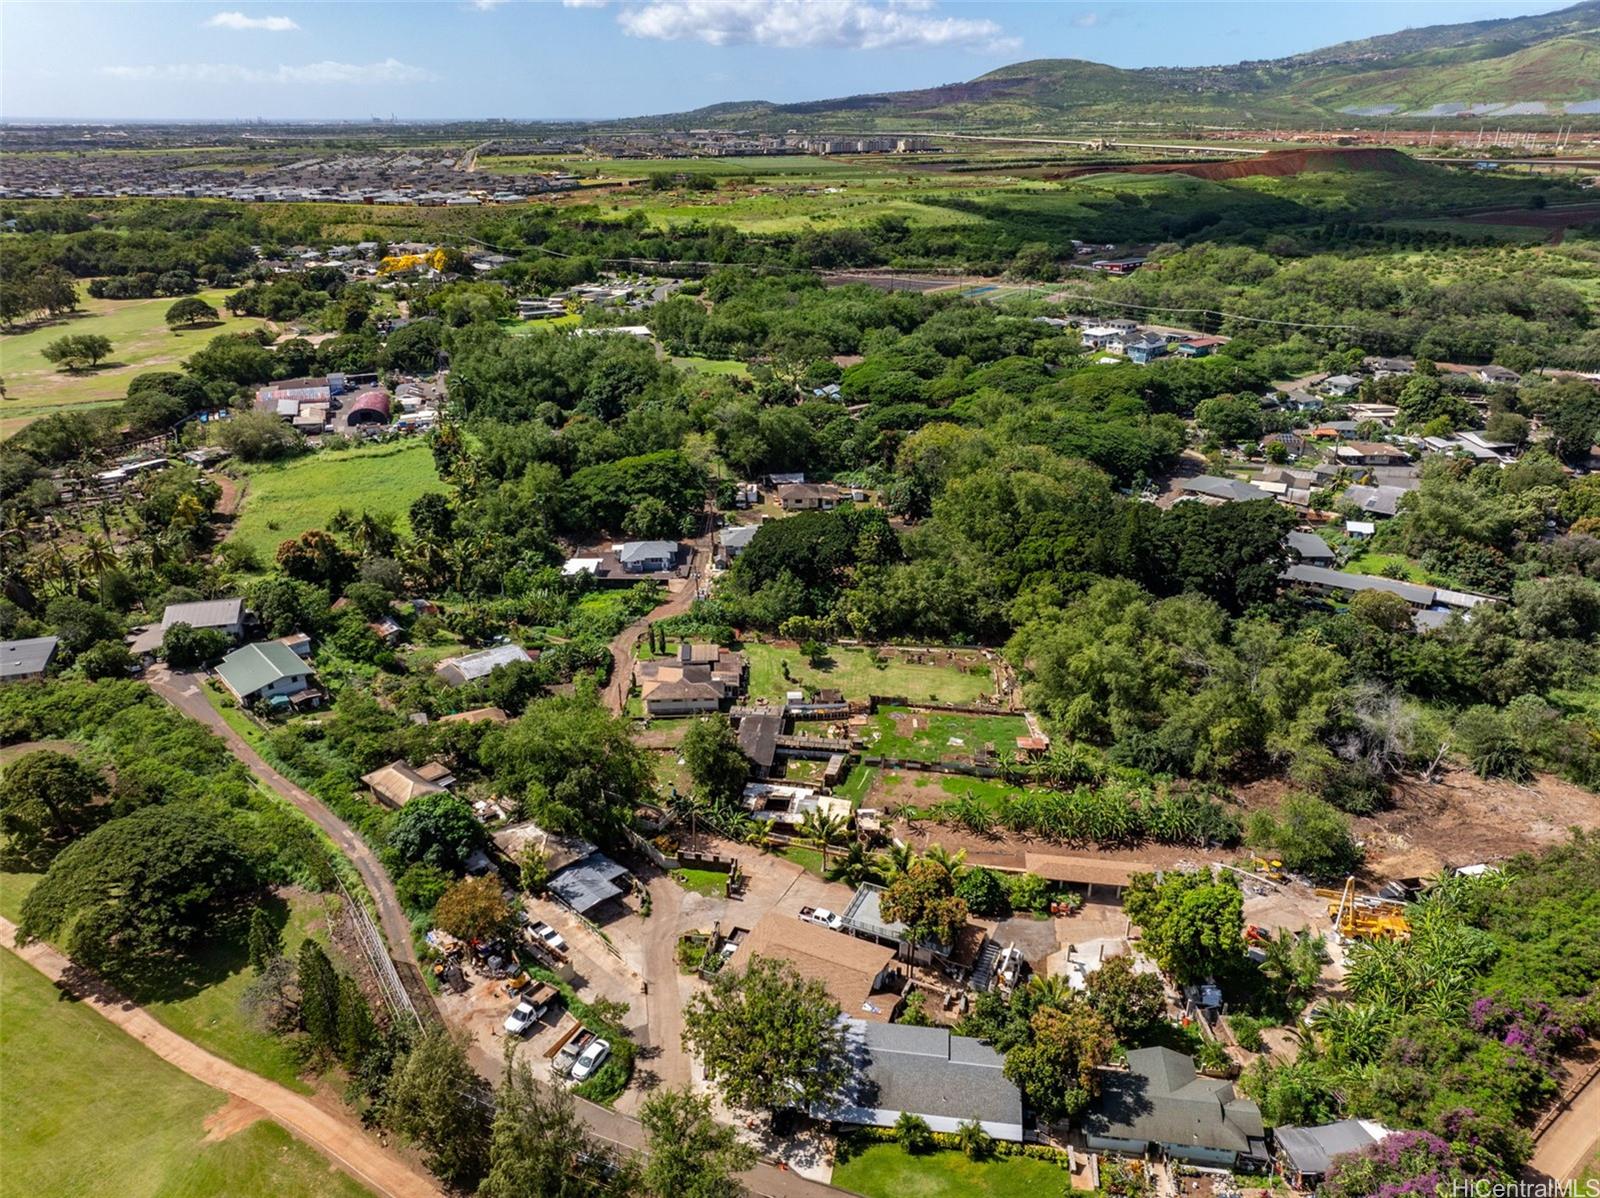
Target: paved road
{"points": [[625, 644], [338, 1137], [183, 692]]}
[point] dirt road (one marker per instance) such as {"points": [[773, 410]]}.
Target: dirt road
{"points": [[625, 644], [183, 692], [1571, 1140], [338, 1138]]}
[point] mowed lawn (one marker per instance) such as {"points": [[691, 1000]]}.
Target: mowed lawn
{"points": [[936, 735], [140, 342], [92, 1111], [889, 1171], [857, 674], [283, 501]]}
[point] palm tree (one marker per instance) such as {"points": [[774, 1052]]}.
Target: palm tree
{"points": [[823, 831], [952, 862], [1051, 991], [98, 555], [895, 860], [855, 867]]}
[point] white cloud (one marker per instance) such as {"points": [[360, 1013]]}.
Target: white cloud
{"points": [[811, 24], [1086, 20], [237, 20], [584, 3], [390, 70], [486, 5]]}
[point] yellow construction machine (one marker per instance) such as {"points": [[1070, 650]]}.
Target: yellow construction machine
{"points": [[433, 259], [1362, 917]]}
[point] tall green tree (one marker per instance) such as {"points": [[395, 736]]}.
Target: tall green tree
{"points": [[767, 1037], [437, 1100], [319, 999], [574, 766], [716, 763], [1056, 1069], [265, 942], [47, 800], [1193, 926], [688, 1154], [135, 893], [538, 1147]]}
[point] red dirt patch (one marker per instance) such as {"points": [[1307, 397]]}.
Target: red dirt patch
{"points": [[1537, 218], [231, 1118], [1274, 163]]}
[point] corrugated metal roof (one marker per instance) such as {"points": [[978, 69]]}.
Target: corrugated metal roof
{"points": [[207, 613]]}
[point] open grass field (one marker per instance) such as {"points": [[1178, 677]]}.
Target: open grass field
{"points": [[283, 501], [140, 342], [94, 1112], [713, 366], [888, 1171], [858, 674], [936, 735]]}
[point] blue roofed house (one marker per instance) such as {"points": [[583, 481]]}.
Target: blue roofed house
{"points": [[1144, 347], [945, 1079], [647, 557], [1160, 1102]]}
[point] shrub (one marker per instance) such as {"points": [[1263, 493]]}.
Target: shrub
{"points": [[1030, 892], [913, 1133]]}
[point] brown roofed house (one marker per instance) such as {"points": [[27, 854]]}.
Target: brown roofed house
{"points": [[700, 678], [861, 976], [396, 784]]}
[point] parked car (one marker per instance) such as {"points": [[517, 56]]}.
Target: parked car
{"points": [[544, 932], [523, 1016], [531, 1009], [822, 917], [591, 1059]]}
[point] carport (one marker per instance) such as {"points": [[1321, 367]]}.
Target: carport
{"points": [[588, 883]]}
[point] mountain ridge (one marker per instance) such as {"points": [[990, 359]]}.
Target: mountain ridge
{"points": [[1545, 64]]}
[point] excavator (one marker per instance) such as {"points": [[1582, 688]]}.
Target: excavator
{"points": [[1363, 917]]}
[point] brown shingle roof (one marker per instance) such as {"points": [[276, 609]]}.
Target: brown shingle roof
{"points": [[846, 965]]}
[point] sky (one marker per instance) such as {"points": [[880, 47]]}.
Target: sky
{"points": [[587, 59]]}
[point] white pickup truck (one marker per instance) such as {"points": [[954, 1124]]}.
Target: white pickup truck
{"points": [[822, 917]]}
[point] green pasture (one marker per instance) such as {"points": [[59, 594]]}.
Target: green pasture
{"points": [[283, 501], [889, 1171], [935, 735], [140, 342], [95, 1112], [858, 674]]}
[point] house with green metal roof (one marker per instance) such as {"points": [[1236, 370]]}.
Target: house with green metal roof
{"points": [[269, 672]]}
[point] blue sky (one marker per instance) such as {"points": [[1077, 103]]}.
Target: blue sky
{"points": [[593, 58]]}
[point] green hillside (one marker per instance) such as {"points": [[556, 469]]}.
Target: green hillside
{"points": [[1542, 63]]}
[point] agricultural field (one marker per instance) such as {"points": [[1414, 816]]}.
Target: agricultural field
{"points": [[283, 501], [910, 735], [889, 1171], [140, 342], [151, 1130], [956, 678]]}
